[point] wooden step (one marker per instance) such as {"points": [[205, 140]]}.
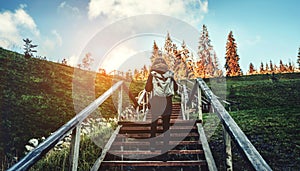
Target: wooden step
{"points": [[147, 143], [153, 153], [147, 135], [148, 123], [147, 129], [155, 163]]}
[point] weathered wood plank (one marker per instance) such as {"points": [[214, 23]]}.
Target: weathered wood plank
{"points": [[75, 144], [147, 129], [172, 121], [147, 135], [208, 155], [156, 152], [228, 152], [147, 143], [155, 163]]}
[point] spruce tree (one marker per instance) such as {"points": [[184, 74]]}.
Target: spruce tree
{"points": [[180, 68], [168, 44], [29, 48], [169, 55], [207, 63], [271, 67], [261, 70], [87, 61], [232, 58], [251, 69], [267, 68], [155, 52], [298, 61], [282, 68]]}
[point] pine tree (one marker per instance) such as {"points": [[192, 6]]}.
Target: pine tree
{"points": [[145, 72], [290, 68], [232, 59], [282, 68], [251, 69], [271, 67], [267, 68], [64, 61], [136, 74], [28, 47], [155, 52], [261, 70], [168, 44], [298, 61], [207, 63], [87, 61], [169, 55], [128, 75], [181, 68]]}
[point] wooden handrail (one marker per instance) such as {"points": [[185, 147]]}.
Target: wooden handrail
{"points": [[35, 155], [236, 134]]}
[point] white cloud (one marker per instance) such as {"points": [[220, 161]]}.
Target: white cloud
{"points": [[57, 37], [254, 41], [25, 20], [14, 25], [73, 60], [188, 10], [203, 6], [50, 43], [68, 9], [117, 57]]}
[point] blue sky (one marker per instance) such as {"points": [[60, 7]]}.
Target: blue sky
{"points": [[264, 29]]}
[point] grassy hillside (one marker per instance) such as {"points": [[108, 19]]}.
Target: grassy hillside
{"points": [[37, 99], [270, 117]]}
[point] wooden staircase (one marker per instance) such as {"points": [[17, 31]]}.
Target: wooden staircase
{"points": [[130, 149]]}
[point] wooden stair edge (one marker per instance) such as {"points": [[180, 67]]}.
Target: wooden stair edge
{"points": [[156, 152], [175, 121], [119, 143], [155, 163]]}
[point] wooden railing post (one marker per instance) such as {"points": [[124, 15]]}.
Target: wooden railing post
{"points": [[75, 143], [120, 102], [200, 117], [227, 149], [185, 96], [182, 104]]}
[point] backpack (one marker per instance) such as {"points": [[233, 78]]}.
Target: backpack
{"points": [[163, 85]]}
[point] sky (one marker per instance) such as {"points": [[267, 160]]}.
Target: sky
{"points": [[117, 37]]}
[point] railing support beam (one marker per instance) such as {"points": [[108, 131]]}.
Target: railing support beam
{"points": [[120, 102], [227, 148], [75, 144], [200, 117]]}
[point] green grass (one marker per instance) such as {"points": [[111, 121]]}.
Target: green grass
{"points": [[269, 116], [37, 98], [89, 151]]}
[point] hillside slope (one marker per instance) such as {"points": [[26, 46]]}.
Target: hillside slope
{"points": [[269, 115], [37, 99]]}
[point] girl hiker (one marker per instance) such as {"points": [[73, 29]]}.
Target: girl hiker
{"points": [[162, 85]]}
